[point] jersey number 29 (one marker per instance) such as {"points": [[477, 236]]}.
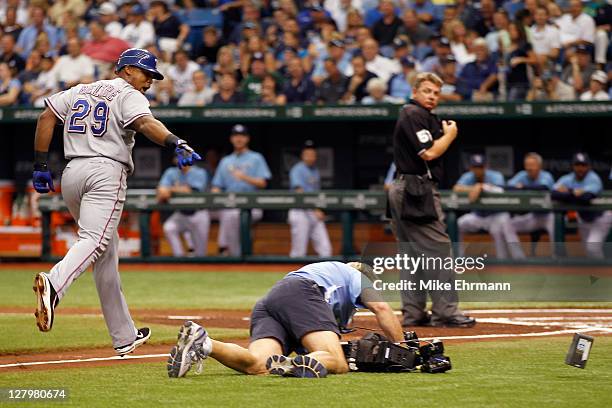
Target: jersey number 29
{"points": [[80, 114]]}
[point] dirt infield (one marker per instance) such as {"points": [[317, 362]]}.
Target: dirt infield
{"points": [[492, 325]]}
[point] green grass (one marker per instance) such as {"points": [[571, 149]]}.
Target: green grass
{"points": [[153, 290], [20, 334], [523, 373]]}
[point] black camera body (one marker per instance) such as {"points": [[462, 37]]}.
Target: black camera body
{"points": [[375, 353]]}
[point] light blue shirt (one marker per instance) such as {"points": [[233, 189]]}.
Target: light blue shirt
{"points": [[399, 87], [544, 179], [250, 163], [342, 285], [343, 65], [591, 183], [27, 38], [196, 178], [491, 177], [304, 177], [390, 173]]}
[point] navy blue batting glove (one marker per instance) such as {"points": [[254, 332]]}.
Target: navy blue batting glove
{"points": [[42, 179], [185, 154]]}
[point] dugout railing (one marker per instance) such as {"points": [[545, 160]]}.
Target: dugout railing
{"points": [[347, 203]]}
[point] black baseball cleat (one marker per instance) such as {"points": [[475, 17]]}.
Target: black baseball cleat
{"points": [[299, 366], [46, 300], [141, 338], [425, 321], [461, 321]]}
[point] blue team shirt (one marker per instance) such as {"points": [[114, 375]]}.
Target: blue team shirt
{"points": [[491, 177], [250, 163], [544, 179], [591, 183], [342, 284], [304, 177], [196, 178]]}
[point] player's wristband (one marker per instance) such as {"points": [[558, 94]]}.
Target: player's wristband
{"points": [[171, 140], [40, 160]]}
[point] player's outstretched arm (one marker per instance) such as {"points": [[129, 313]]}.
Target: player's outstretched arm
{"points": [[41, 177], [157, 132]]}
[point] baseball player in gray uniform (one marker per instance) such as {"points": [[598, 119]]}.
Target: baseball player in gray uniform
{"points": [[99, 121]]}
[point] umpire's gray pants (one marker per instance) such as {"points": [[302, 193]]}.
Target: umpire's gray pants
{"points": [[94, 190], [432, 240]]}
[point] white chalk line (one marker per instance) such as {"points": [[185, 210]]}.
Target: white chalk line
{"points": [[84, 360]]}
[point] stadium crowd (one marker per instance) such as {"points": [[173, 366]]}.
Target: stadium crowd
{"points": [[275, 52]]}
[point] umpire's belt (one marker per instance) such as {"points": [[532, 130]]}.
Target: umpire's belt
{"points": [[404, 176]]}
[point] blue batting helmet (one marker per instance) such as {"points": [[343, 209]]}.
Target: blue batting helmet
{"points": [[142, 59]]}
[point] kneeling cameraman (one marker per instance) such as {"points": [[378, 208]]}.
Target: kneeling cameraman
{"points": [[302, 312]]}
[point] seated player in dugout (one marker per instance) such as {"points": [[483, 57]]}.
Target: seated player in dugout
{"points": [[303, 312]]}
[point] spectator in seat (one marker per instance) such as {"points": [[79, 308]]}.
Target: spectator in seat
{"points": [[556, 88], [498, 39], [108, 17], [29, 35], [519, 57], [206, 52], [28, 77], [228, 93], [298, 88], [546, 39], [400, 85], [418, 32], [9, 86], [200, 95], [442, 49], [74, 68], [358, 81], [381, 66], [579, 70], [46, 83], [597, 88], [576, 27], [181, 72], [334, 86], [169, 30], [103, 49], [478, 79], [11, 24], [15, 62], [386, 28], [377, 93], [138, 32], [448, 73], [269, 92]]}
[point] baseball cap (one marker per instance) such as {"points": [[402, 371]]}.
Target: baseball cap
{"points": [[317, 8], [444, 42], [249, 25], [582, 48], [599, 76], [137, 9], [407, 61], [107, 9], [308, 144], [336, 43], [581, 158], [477, 160], [239, 129], [449, 59], [399, 42], [258, 56]]}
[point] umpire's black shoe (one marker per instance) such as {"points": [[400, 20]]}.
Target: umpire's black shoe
{"points": [[460, 321], [425, 321]]}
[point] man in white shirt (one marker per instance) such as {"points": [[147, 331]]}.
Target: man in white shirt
{"points": [[376, 63], [201, 94], [107, 14], [139, 32], [181, 72], [73, 68], [576, 27], [545, 38], [597, 88]]}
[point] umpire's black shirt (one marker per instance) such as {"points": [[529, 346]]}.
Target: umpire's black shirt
{"points": [[415, 131]]}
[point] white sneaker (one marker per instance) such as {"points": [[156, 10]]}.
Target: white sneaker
{"points": [[192, 347]]}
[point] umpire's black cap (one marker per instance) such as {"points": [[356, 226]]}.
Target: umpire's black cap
{"points": [[581, 158], [239, 129]]}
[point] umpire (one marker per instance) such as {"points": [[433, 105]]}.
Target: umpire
{"points": [[420, 140]]}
